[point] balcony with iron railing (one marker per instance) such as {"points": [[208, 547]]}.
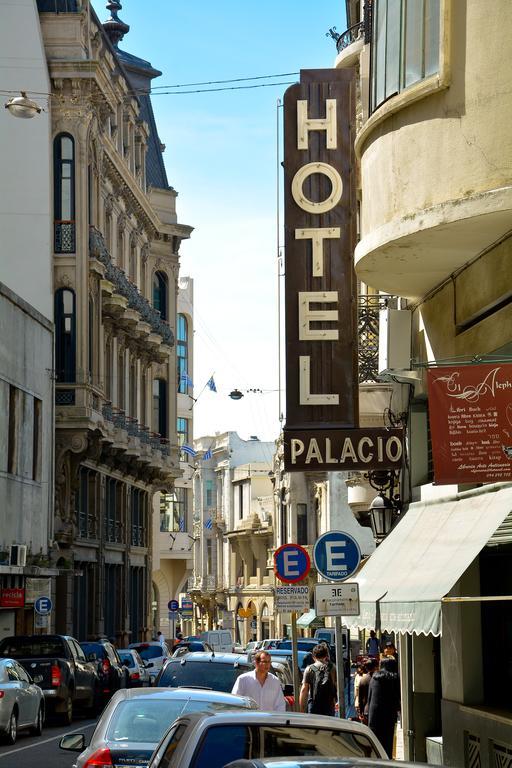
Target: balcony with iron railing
{"points": [[369, 307], [146, 314]]}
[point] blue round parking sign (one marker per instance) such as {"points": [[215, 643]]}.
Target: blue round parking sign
{"points": [[43, 606], [291, 563], [336, 555], [173, 605]]}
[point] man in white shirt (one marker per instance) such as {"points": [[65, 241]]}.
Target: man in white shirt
{"points": [[261, 685]]}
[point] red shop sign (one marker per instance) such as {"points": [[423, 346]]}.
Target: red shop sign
{"points": [[12, 597], [470, 409]]}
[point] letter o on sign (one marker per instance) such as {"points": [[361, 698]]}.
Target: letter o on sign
{"points": [[298, 183]]}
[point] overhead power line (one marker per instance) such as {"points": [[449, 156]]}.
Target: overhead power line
{"points": [[231, 80]]}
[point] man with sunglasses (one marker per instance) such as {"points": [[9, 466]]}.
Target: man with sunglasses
{"points": [[261, 685]]}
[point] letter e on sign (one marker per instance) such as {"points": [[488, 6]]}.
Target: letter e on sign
{"points": [[291, 563]]}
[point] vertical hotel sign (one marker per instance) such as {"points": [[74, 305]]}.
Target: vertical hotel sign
{"points": [[322, 417]]}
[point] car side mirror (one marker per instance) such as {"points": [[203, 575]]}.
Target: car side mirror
{"points": [[73, 742], [92, 656]]}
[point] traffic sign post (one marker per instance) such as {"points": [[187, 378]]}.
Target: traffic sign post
{"points": [[292, 564], [336, 555], [43, 606], [337, 599]]}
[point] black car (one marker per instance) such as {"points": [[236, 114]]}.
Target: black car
{"points": [[207, 670], [112, 674]]}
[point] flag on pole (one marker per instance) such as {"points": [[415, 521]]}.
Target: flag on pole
{"points": [[185, 379], [207, 454], [211, 384], [209, 524], [188, 450]]}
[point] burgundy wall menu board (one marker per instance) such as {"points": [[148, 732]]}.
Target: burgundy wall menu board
{"points": [[470, 409]]}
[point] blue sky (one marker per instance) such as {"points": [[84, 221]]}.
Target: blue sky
{"points": [[221, 158]]}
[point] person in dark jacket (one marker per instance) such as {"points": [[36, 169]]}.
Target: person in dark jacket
{"points": [[384, 703], [370, 667]]}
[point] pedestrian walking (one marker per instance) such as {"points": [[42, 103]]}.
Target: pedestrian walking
{"points": [[318, 694], [369, 668], [161, 639], [261, 685], [384, 703], [372, 644]]}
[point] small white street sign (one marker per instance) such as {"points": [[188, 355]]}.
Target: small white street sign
{"points": [[292, 598], [337, 599]]}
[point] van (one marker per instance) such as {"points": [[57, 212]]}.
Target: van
{"points": [[221, 640]]}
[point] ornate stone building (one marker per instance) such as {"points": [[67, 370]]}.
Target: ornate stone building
{"points": [[115, 241]]}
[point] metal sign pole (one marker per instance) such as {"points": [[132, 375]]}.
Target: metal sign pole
{"points": [[295, 664], [340, 669]]}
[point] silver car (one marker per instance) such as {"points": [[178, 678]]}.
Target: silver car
{"points": [[137, 670], [199, 740], [135, 719], [21, 701]]}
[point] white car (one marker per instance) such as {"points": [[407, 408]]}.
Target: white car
{"points": [[133, 722], [21, 701], [153, 654], [212, 740]]}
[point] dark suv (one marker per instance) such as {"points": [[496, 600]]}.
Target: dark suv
{"points": [[206, 670], [111, 672]]}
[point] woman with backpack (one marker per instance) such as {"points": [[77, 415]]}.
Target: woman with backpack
{"points": [[318, 694]]}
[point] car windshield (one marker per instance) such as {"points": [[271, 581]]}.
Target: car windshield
{"points": [[22, 647], [224, 743], [214, 675], [150, 651], [128, 658], [146, 720], [96, 648]]}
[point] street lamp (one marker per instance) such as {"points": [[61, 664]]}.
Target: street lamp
{"points": [[22, 106], [235, 394], [381, 516]]}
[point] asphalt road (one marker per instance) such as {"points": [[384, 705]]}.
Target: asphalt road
{"points": [[43, 751]]}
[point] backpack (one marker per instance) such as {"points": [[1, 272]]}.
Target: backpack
{"points": [[323, 692]]}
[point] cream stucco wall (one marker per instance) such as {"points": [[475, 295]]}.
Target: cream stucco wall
{"points": [[436, 159], [25, 262]]}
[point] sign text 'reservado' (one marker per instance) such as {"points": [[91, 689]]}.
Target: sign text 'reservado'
{"points": [[320, 287]]}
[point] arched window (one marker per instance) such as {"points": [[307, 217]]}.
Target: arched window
{"points": [[160, 407], [182, 353], [64, 193], [160, 298], [65, 335]]}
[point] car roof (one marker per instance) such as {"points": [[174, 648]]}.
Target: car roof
{"points": [[194, 694], [143, 643], [317, 760], [217, 658], [298, 719]]}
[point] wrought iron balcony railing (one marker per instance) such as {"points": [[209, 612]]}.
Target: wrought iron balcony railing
{"points": [[64, 237], [368, 334], [126, 288]]}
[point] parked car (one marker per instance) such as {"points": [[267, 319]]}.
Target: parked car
{"points": [[134, 721], [199, 740], [284, 656], [154, 654], [323, 762], [221, 640], [268, 644], [217, 671], [190, 646], [111, 674], [252, 646], [21, 701], [58, 665], [138, 674]]}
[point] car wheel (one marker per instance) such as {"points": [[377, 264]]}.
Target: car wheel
{"points": [[12, 729], [67, 714], [38, 725]]}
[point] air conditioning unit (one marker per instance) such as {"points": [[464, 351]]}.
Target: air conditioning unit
{"points": [[18, 555], [395, 329]]}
